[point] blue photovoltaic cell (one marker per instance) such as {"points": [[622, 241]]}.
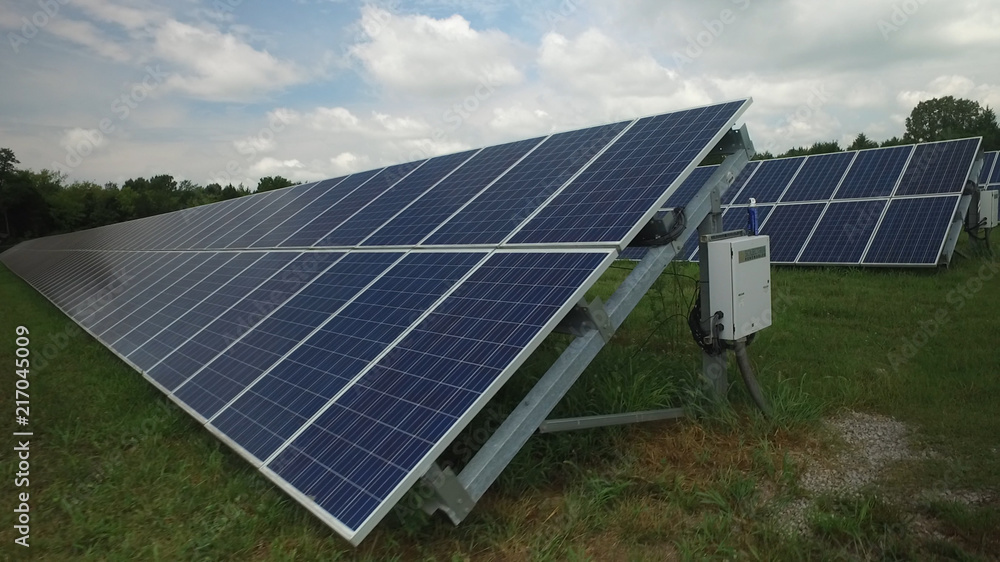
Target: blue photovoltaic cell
{"points": [[628, 181], [273, 201], [94, 273], [941, 167], [995, 174], [314, 233], [741, 180], [430, 210], [298, 387], [180, 311], [496, 212], [789, 226], [235, 222], [874, 172], [194, 233], [158, 295], [160, 265], [147, 321], [169, 273], [204, 313], [690, 187], [770, 180], [993, 187], [921, 222], [373, 437], [320, 198], [287, 279], [240, 365], [301, 195], [818, 177], [989, 160], [369, 219], [843, 233], [120, 276]]}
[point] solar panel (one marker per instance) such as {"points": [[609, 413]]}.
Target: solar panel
{"points": [[285, 397], [789, 226], [233, 370], [622, 189], [850, 191], [324, 332], [425, 214], [989, 161], [395, 199], [371, 442], [495, 213], [767, 185], [874, 173], [995, 174], [690, 187], [842, 235], [734, 190], [921, 223], [818, 177], [322, 197], [940, 167], [314, 233]]}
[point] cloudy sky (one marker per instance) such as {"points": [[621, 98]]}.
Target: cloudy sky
{"points": [[233, 90]]}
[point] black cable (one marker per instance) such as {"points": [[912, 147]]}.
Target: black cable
{"points": [[676, 229]]}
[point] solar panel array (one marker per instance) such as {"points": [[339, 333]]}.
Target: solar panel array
{"points": [[989, 176], [339, 334], [880, 207]]}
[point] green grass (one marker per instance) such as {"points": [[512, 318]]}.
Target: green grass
{"points": [[119, 472]]}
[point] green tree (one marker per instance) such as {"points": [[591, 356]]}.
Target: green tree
{"points": [[862, 142], [269, 183], [952, 118], [7, 167], [894, 141], [825, 147]]}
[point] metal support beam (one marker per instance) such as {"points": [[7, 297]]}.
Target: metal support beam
{"points": [[590, 422], [494, 456], [713, 367]]}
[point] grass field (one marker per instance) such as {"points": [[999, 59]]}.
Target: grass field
{"points": [[118, 472]]}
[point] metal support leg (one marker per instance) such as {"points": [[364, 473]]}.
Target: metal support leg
{"points": [[713, 367], [494, 456]]}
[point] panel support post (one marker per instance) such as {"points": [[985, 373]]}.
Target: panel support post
{"points": [[526, 418], [713, 367]]}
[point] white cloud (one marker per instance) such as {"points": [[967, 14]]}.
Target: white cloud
{"points": [[346, 163], [85, 34], [218, 66], [622, 78], [422, 56], [124, 14], [958, 86], [81, 143]]}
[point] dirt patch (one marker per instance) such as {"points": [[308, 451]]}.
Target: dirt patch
{"points": [[871, 443]]}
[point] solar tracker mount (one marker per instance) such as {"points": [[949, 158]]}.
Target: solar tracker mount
{"points": [[339, 335]]}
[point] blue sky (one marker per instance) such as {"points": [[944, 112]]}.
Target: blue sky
{"points": [[233, 90]]}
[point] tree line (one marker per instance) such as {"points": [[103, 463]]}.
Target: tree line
{"points": [[36, 204], [933, 120], [41, 203]]}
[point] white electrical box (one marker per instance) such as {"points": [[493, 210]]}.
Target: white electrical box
{"points": [[989, 208], [740, 284]]}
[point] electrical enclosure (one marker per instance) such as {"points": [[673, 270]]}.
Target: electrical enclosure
{"points": [[989, 208], [740, 284]]}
